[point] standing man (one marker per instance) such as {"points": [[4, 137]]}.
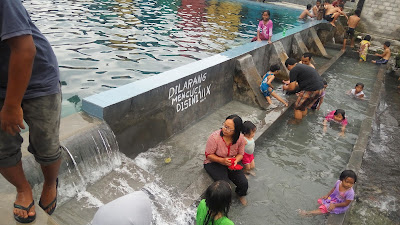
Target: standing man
{"points": [[30, 91], [309, 82]]}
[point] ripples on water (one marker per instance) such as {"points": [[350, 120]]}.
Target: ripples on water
{"points": [[297, 164], [103, 44]]}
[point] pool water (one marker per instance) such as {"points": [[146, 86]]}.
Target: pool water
{"points": [[297, 164], [103, 44]]}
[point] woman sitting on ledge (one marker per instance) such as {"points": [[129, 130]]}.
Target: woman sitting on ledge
{"points": [[224, 148]]}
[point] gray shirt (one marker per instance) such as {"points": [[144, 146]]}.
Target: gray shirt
{"points": [[14, 22], [131, 209]]}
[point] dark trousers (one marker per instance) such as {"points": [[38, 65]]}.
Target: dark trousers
{"points": [[220, 172]]}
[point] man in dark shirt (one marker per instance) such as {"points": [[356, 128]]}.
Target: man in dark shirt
{"points": [[309, 83], [30, 91]]}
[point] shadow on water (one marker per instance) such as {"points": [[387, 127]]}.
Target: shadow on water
{"points": [[379, 179]]}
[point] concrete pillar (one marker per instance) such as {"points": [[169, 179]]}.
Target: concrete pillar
{"points": [[320, 47], [281, 58]]}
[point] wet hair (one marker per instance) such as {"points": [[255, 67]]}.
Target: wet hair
{"points": [[328, 1], [387, 43], [266, 11], [358, 12], [274, 67], [307, 55], [367, 37], [290, 61], [238, 127], [309, 6], [348, 173], [218, 199], [248, 127], [341, 6], [360, 84], [325, 82], [319, 1], [341, 112]]}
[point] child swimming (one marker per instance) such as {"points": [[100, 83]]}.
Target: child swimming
{"points": [[266, 85], [338, 200], [214, 208], [338, 116], [249, 130], [357, 91]]}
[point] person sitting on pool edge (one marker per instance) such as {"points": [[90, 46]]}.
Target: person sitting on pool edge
{"points": [[309, 82]]}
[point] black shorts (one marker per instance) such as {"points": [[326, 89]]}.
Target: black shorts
{"points": [[329, 17], [349, 33]]}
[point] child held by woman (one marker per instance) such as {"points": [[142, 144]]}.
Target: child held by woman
{"points": [[249, 130], [338, 200], [264, 29], [337, 116]]}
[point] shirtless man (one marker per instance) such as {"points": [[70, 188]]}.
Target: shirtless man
{"points": [[315, 8], [352, 23], [385, 55], [306, 13], [306, 59], [332, 13]]}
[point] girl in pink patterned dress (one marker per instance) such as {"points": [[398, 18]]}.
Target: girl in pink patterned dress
{"points": [[264, 30]]}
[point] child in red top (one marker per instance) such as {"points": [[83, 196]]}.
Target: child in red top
{"points": [[336, 116]]}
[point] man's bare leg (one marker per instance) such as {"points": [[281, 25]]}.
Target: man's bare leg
{"points": [[49, 192], [344, 44], [15, 175]]}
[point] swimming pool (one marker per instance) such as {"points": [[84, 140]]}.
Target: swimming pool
{"points": [[103, 44]]}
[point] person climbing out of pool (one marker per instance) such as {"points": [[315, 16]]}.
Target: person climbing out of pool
{"points": [[29, 90], [337, 116], [385, 56], [249, 130], [215, 207], [309, 83], [266, 85], [352, 23], [130, 209], [338, 200], [264, 29], [223, 145], [306, 12], [364, 45], [306, 59], [357, 91], [320, 100], [332, 12]]}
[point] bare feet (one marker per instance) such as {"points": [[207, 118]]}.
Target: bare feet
{"points": [[24, 198], [243, 200], [373, 61], [303, 213], [251, 172], [49, 193], [333, 24], [286, 104]]}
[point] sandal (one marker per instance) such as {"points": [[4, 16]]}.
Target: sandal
{"points": [[28, 219], [51, 203]]}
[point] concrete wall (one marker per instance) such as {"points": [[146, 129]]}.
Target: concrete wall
{"points": [[146, 112], [381, 18]]}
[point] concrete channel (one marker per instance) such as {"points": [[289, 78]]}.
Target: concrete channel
{"points": [[226, 84]]}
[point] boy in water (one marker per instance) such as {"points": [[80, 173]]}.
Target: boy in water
{"points": [[315, 8], [352, 23], [385, 55], [306, 59], [332, 13], [306, 13]]}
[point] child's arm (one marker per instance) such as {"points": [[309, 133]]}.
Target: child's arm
{"points": [[326, 196], [342, 131], [361, 96], [270, 79], [343, 204], [321, 100]]}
